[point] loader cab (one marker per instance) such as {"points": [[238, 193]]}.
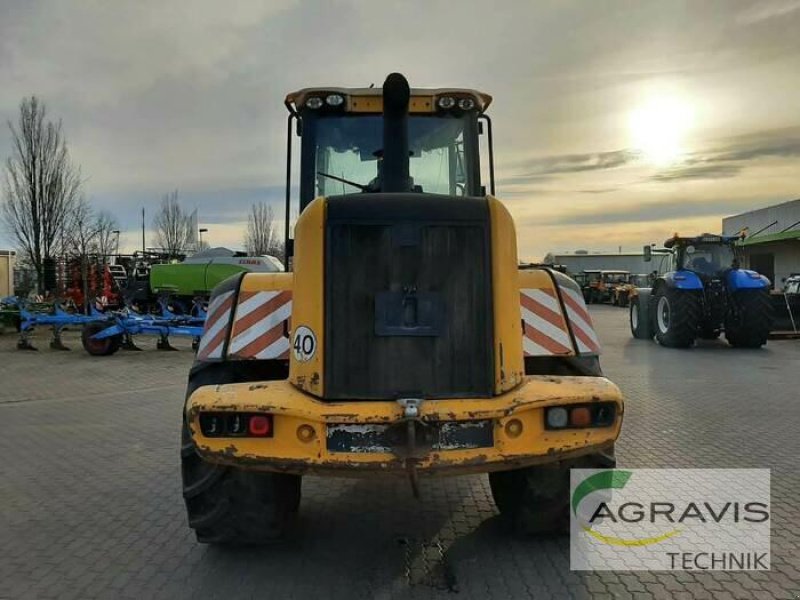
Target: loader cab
{"points": [[592, 277], [392, 206], [342, 133], [615, 277]]}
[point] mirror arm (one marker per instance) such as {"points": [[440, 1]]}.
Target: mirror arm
{"points": [[286, 246], [491, 152]]}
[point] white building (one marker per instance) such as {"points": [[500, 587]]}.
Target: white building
{"points": [[772, 245], [631, 262]]}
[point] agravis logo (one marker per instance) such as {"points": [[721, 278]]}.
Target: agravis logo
{"points": [[609, 480], [670, 518]]}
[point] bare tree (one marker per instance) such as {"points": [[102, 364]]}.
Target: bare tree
{"points": [[261, 236], [107, 229], [80, 238], [90, 233], [173, 227], [41, 187]]}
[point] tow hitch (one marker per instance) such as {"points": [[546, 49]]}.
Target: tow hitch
{"points": [[411, 439], [419, 439]]}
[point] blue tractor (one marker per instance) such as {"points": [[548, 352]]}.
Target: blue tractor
{"points": [[702, 293]]}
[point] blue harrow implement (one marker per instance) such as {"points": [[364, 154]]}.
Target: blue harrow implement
{"points": [[103, 333]]}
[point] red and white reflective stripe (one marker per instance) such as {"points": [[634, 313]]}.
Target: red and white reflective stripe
{"points": [[580, 320], [216, 327], [260, 325], [546, 332]]}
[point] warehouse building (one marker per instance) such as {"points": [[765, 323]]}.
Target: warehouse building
{"points": [[772, 245], [631, 262]]}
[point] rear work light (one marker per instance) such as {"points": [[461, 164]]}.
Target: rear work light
{"points": [[446, 102], [235, 424], [598, 414], [334, 100], [466, 104]]}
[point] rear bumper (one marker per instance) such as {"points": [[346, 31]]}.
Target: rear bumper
{"points": [[497, 448]]}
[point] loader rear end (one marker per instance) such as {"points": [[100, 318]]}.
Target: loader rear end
{"points": [[406, 342]]}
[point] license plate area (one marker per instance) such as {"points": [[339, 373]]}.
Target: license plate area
{"points": [[387, 438]]}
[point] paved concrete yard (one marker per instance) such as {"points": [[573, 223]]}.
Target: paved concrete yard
{"points": [[90, 502]]}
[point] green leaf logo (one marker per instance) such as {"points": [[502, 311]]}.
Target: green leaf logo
{"points": [[607, 480]]}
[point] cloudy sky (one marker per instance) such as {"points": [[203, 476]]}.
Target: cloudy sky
{"points": [[616, 123]]}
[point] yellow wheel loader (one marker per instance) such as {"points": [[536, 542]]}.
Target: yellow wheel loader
{"points": [[403, 341]]}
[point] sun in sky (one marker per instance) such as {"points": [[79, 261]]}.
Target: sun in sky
{"points": [[659, 127]]}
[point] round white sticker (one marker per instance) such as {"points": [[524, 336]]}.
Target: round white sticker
{"points": [[304, 344]]}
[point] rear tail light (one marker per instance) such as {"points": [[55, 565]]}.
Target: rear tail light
{"points": [[260, 425], [580, 417], [599, 414], [235, 424]]}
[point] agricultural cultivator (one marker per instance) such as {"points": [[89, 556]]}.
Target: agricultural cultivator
{"points": [[142, 294], [703, 293], [105, 332]]}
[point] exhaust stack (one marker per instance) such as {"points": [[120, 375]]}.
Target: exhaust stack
{"points": [[396, 94]]}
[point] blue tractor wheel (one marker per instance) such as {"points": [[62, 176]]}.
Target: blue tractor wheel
{"points": [[676, 317], [640, 318], [749, 319]]}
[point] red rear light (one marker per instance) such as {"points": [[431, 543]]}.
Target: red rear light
{"points": [[260, 425], [235, 424]]}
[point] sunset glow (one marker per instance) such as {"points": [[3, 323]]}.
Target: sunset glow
{"points": [[658, 129]]}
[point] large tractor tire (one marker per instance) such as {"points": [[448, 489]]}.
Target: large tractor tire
{"points": [[640, 319], [102, 347], [676, 318], [750, 319], [232, 506], [227, 505], [535, 500]]}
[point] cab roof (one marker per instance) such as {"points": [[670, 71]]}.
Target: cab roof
{"points": [[703, 238], [371, 99]]}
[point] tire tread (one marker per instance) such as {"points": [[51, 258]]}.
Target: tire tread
{"points": [[685, 315], [750, 324], [226, 505]]}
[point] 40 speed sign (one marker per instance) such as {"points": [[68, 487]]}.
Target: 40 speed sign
{"points": [[304, 344]]}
